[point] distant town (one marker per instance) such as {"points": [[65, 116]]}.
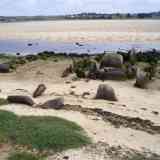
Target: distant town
{"points": [[152, 15]]}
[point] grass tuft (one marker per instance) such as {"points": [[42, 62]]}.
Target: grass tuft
{"points": [[41, 133], [22, 156]]}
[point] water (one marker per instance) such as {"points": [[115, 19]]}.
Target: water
{"points": [[96, 36], [21, 46]]}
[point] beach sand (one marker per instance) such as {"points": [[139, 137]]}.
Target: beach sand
{"points": [[84, 31], [132, 102]]}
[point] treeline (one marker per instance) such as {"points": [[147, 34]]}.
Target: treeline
{"points": [[29, 18], [152, 15]]}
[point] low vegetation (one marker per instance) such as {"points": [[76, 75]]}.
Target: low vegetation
{"points": [[23, 156], [41, 133], [81, 66], [3, 101]]}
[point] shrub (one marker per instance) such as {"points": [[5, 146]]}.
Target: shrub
{"points": [[98, 58], [151, 70], [81, 66]]}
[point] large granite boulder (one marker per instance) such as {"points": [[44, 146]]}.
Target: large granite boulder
{"points": [[106, 92], [111, 74], [112, 60]]}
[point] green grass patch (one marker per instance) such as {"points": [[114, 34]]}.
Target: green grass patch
{"points": [[23, 156], [41, 133]]}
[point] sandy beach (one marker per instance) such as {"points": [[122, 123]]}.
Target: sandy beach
{"points": [[132, 102], [84, 31]]}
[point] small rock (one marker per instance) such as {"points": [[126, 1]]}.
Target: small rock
{"points": [[155, 112], [85, 94], [39, 91], [68, 82], [30, 44], [39, 73], [144, 109], [4, 68], [72, 93], [73, 86], [57, 104], [66, 157]]}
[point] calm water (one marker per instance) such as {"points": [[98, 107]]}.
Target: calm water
{"points": [[21, 46]]}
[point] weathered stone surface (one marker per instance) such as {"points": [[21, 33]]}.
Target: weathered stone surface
{"points": [[112, 60], [39, 91], [57, 104], [111, 74], [106, 92], [20, 100], [4, 68], [141, 80]]}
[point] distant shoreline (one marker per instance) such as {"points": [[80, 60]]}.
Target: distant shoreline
{"points": [[83, 16], [147, 19]]}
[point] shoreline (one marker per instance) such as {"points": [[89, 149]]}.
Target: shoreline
{"points": [[13, 46]]}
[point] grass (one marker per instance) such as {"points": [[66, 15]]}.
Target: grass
{"points": [[23, 156], [41, 133], [3, 101]]}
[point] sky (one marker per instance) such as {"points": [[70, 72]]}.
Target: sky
{"points": [[61, 7]]}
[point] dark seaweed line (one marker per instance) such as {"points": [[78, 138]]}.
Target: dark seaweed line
{"points": [[118, 120]]}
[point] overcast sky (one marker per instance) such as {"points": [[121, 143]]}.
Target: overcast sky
{"points": [[54, 7]]}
